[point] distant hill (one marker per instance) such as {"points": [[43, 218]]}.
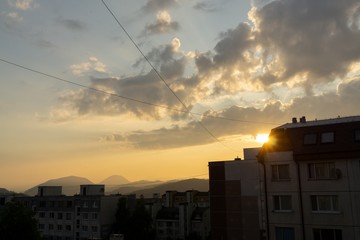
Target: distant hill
{"points": [[180, 186], [115, 180], [131, 187], [4, 191], [70, 185]]}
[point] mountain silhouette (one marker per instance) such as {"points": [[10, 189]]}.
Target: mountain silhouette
{"points": [[160, 188], [70, 185], [115, 180], [4, 191]]}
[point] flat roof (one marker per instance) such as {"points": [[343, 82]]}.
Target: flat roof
{"points": [[320, 122]]}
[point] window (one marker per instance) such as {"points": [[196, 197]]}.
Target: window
{"points": [[327, 234], [85, 216], [284, 233], [84, 228], [69, 204], [59, 227], [51, 226], [68, 216], [94, 216], [94, 228], [310, 139], [41, 226], [282, 203], [52, 215], [327, 137], [324, 203], [60, 204], [325, 170], [42, 204], [357, 135], [41, 214], [68, 227], [280, 172], [59, 215]]}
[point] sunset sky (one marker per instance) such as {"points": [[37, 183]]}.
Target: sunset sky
{"points": [[77, 96]]}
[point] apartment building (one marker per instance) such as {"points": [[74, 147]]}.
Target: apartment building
{"points": [[179, 214], [88, 215], [311, 175], [234, 198]]}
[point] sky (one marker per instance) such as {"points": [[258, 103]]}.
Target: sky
{"points": [[156, 89]]}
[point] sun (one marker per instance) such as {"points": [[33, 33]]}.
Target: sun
{"points": [[262, 137]]}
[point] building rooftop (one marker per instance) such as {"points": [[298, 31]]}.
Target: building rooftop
{"points": [[304, 123]]}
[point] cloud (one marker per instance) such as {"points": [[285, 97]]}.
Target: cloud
{"points": [[14, 16], [309, 36], [286, 41], [193, 133], [93, 65], [45, 43], [207, 6], [73, 24], [21, 4], [241, 121], [163, 24], [287, 47], [155, 5]]}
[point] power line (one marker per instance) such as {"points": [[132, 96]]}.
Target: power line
{"points": [[159, 75], [124, 97], [87, 87]]}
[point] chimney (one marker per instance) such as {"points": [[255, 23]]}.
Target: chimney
{"points": [[303, 119], [294, 120]]}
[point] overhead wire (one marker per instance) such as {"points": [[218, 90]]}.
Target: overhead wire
{"points": [[160, 76], [124, 97]]}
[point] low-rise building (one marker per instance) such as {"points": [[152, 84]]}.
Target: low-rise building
{"points": [[88, 215]]}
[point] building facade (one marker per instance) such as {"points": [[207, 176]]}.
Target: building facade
{"points": [[181, 214], [311, 176], [88, 215], [234, 198]]}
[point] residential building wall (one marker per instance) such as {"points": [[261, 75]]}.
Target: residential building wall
{"points": [[173, 218], [234, 191], [322, 162], [79, 217]]}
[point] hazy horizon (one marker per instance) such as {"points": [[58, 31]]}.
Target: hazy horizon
{"points": [[78, 98]]}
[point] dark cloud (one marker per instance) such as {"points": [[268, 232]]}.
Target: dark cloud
{"points": [[73, 24], [155, 5], [45, 43], [194, 134], [234, 121], [207, 6], [287, 40], [310, 36], [146, 88]]}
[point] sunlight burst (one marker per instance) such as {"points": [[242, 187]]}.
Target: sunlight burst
{"points": [[262, 137]]}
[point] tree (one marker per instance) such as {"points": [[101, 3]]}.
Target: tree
{"points": [[122, 217], [136, 224], [141, 223], [18, 222]]}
